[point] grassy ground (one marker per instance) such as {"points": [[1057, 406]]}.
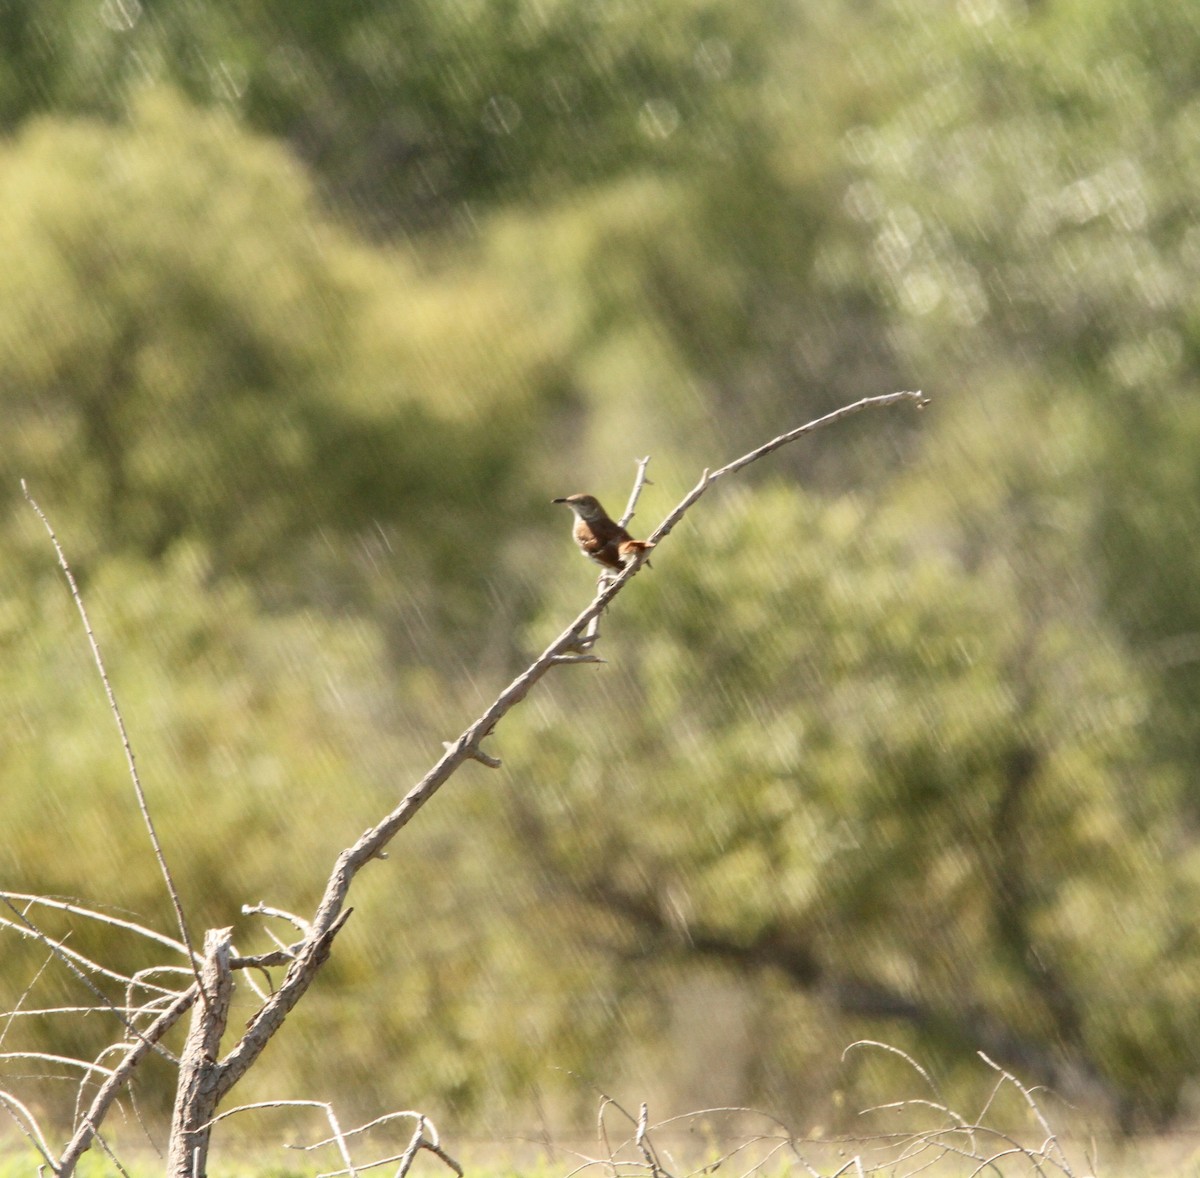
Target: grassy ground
{"points": [[1174, 1157], [1178, 1157]]}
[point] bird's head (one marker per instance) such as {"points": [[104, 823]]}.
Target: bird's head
{"points": [[584, 506]]}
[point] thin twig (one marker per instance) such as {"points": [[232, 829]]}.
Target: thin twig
{"points": [[43, 1011], [341, 1137], [707, 478], [280, 957], [912, 1063], [366, 1127], [602, 1131], [69, 957], [301, 925], [639, 482], [50, 1057], [1051, 1137], [140, 793], [591, 634], [10, 1015], [28, 1127], [112, 1157], [73, 909]]}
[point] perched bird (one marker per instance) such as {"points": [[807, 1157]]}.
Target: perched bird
{"points": [[602, 539]]}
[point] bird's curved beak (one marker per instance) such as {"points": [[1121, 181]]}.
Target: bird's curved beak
{"points": [[559, 500]]}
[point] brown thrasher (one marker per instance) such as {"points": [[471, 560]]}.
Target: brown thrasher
{"points": [[602, 539]]}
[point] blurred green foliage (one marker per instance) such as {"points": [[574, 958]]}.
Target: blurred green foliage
{"points": [[308, 312]]}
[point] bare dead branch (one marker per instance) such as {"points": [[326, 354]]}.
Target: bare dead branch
{"points": [[205, 1078], [196, 1093], [406, 1158], [643, 1143]]}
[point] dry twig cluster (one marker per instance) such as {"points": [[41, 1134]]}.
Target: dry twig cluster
{"points": [[939, 1141]]}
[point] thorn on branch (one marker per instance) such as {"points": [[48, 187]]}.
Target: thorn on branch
{"points": [[583, 643], [476, 754], [560, 660]]}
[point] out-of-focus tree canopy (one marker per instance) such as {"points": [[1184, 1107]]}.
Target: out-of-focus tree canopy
{"points": [[310, 309], [409, 110]]}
